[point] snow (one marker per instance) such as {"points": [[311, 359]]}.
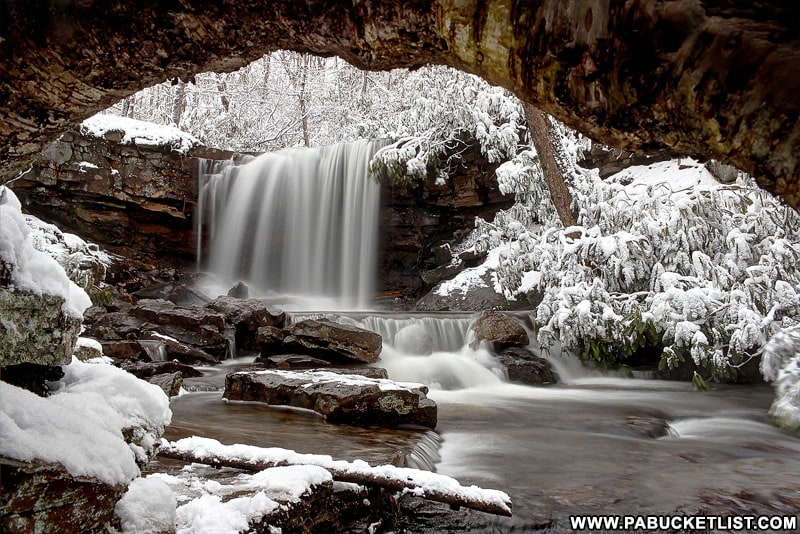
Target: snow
{"points": [[89, 343], [327, 377], [81, 425], [31, 269], [210, 508], [139, 133], [148, 507], [419, 483], [474, 277]]}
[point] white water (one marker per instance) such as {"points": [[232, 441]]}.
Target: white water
{"points": [[300, 222]]}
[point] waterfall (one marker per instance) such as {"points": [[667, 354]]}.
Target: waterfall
{"points": [[300, 222]]}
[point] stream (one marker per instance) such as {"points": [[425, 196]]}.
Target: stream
{"points": [[591, 444]]}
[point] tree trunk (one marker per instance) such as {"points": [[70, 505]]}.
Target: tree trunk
{"points": [[554, 163], [713, 78], [178, 103], [304, 66]]}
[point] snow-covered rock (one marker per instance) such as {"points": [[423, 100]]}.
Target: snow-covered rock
{"points": [[780, 365]]}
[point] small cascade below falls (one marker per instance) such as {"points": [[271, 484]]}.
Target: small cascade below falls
{"points": [[300, 222], [449, 362]]}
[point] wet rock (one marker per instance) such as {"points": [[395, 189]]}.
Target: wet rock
{"points": [[122, 350], [270, 340], [88, 349], [189, 324], [175, 292], [170, 382], [114, 326], [500, 330], [345, 399], [369, 372], [180, 351], [35, 329], [525, 367], [334, 342], [32, 376], [247, 316], [292, 361], [239, 291], [46, 498], [147, 370]]}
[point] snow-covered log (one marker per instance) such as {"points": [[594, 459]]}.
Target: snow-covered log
{"points": [[424, 484]]}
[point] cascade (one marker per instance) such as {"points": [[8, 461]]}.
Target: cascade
{"points": [[300, 222]]}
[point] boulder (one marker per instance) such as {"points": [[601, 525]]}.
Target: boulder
{"points": [[337, 343], [239, 291], [195, 325], [32, 376], [147, 370], [181, 351], [35, 329], [175, 292], [500, 330], [114, 326], [39, 497], [170, 382], [348, 399], [292, 361], [247, 316], [270, 340], [479, 295], [122, 350], [525, 367], [88, 349]]}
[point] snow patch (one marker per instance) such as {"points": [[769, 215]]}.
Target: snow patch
{"points": [[148, 507]]}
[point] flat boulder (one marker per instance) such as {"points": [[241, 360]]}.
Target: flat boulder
{"points": [[334, 342], [147, 370], [339, 398], [500, 330], [170, 382]]}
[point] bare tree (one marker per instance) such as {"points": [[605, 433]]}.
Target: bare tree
{"points": [[554, 162]]}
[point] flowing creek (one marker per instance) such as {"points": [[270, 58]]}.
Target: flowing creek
{"points": [[591, 444]]}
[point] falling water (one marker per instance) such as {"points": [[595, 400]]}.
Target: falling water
{"points": [[300, 222]]}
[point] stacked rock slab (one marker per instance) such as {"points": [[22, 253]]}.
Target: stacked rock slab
{"points": [[340, 398]]}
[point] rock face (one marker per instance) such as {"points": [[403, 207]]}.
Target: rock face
{"points": [[500, 330], [525, 367], [35, 329], [331, 341], [583, 62], [421, 219], [349, 399], [46, 498]]}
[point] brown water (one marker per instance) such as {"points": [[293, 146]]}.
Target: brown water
{"points": [[593, 445]]}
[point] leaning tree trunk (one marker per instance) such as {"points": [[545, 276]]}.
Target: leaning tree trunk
{"points": [[716, 78], [553, 161]]}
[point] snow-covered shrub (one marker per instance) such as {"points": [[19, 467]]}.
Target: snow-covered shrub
{"points": [[664, 257], [430, 132], [781, 366]]}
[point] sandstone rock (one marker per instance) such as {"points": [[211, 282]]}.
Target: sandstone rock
{"points": [[525, 367], [122, 350], [292, 361], [334, 342], [239, 291], [175, 350], [114, 326], [88, 349], [480, 296], [270, 340], [175, 292], [147, 370], [346, 399], [247, 316], [46, 498], [189, 324], [500, 330], [445, 272], [369, 372], [35, 329], [170, 382]]}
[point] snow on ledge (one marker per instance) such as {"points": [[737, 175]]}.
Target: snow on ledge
{"points": [[327, 377], [31, 269], [81, 425], [140, 133]]}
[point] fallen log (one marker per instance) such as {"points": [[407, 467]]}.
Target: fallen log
{"points": [[424, 484]]}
